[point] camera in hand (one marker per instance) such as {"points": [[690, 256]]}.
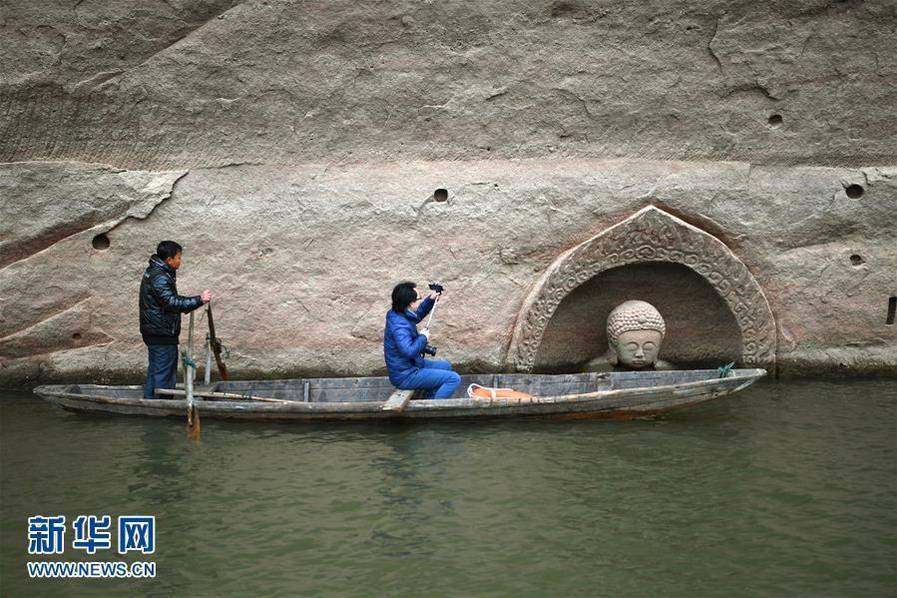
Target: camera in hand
{"points": [[436, 288]]}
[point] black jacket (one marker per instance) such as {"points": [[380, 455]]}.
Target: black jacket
{"points": [[161, 306]]}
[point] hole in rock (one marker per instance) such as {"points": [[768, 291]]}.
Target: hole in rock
{"points": [[700, 328], [775, 121], [857, 260], [892, 311], [854, 191], [76, 336], [440, 195], [100, 242]]}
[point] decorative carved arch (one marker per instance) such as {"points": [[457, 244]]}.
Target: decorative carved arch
{"points": [[649, 235]]}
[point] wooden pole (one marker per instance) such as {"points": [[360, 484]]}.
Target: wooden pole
{"points": [[208, 370], [232, 396], [192, 414]]}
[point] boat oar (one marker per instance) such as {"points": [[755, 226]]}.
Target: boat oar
{"points": [[215, 343], [189, 369]]}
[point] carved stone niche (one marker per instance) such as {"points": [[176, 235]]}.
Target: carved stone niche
{"points": [[652, 242]]}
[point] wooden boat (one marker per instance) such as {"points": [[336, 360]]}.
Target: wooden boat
{"points": [[617, 395]]}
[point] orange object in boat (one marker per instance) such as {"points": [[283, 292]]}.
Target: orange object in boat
{"points": [[475, 391]]}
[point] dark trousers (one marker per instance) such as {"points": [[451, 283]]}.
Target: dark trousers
{"points": [[162, 371]]}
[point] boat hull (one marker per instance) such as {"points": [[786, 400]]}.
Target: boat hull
{"points": [[615, 396]]}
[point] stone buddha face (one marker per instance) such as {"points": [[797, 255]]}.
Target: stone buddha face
{"points": [[635, 330], [638, 349]]}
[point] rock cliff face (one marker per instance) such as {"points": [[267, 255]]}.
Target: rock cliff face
{"points": [[294, 149]]}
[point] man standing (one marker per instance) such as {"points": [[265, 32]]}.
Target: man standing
{"points": [[160, 316]]}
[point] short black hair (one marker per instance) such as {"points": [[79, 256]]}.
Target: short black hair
{"points": [[403, 295], [167, 249]]}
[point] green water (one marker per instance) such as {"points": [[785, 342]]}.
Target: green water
{"points": [[781, 490]]}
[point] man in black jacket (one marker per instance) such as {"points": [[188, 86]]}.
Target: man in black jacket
{"points": [[160, 316]]}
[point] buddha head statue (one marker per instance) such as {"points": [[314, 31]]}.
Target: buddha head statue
{"points": [[634, 332]]}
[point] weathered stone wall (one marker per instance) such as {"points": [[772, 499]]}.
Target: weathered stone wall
{"points": [[187, 83], [304, 257], [294, 147]]}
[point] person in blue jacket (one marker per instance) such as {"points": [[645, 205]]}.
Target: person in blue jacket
{"points": [[403, 346]]}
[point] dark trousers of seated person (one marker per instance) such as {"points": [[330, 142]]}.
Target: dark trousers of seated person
{"points": [[162, 371], [436, 377]]}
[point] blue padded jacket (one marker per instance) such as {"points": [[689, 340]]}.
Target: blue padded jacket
{"points": [[402, 344]]}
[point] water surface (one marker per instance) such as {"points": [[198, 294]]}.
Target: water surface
{"points": [[783, 489]]}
